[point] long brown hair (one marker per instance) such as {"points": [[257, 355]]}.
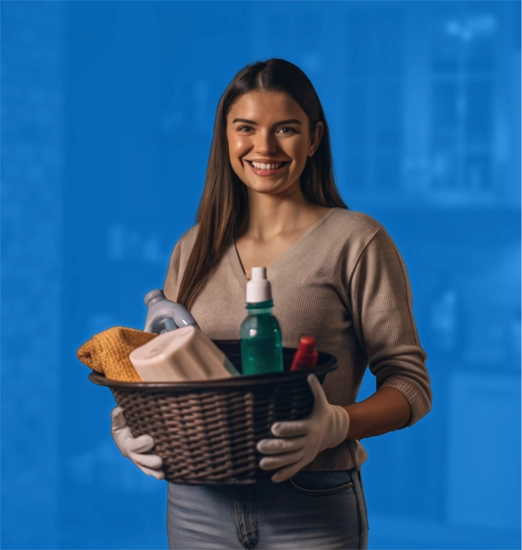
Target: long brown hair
{"points": [[224, 202]]}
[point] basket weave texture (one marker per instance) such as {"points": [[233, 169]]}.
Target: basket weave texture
{"points": [[206, 432]]}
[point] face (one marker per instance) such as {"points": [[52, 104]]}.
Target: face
{"points": [[269, 141]]}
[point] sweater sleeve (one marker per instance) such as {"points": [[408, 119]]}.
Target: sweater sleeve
{"points": [[178, 261], [173, 278], [383, 320]]}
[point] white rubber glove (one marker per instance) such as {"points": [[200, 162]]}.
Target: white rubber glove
{"points": [[298, 442], [134, 447]]}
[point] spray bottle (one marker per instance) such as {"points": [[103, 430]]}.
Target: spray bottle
{"points": [[260, 332]]}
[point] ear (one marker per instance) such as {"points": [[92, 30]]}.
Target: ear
{"points": [[315, 138]]}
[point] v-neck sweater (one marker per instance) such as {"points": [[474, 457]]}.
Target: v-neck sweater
{"points": [[344, 283]]}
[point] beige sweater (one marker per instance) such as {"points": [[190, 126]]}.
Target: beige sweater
{"points": [[343, 282]]}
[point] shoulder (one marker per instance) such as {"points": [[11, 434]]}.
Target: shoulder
{"points": [[352, 228], [351, 220], [188, 238], [186, 241], [183, 247], [352, 235], [178, 260]]}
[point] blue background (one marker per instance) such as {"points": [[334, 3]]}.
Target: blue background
{"points": [[107, 116]]}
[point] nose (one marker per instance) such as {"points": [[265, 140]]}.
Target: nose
{"points": [[266, 144]]}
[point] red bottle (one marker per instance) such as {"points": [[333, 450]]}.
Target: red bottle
{"points": [[306, 355]]}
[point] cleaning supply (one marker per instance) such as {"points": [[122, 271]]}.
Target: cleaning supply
{"points": [[181, 355], [164, 315], [306, 356], [108, 352], [260, 332]]}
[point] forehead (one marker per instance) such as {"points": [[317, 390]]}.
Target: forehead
{"points": [[266, 107]]}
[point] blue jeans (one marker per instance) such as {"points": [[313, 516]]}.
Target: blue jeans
{"points": [[313, 510]]}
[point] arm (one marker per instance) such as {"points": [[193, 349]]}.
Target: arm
{"points": [[171, 284], [381, 308], [138, 449], [178, 261], [384, 411], [380, 302]]}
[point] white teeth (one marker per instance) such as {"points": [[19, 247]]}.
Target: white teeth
{"points": [[262, 166]]}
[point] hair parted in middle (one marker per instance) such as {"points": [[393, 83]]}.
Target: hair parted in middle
{"points": [[224, 203]]}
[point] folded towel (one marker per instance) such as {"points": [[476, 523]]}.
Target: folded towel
{"points": [[108, 352]]}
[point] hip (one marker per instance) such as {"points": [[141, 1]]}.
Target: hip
{"points": [[325, 509]]}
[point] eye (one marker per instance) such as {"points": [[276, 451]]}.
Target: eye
{"points": [[291, 130], [240, 128]]}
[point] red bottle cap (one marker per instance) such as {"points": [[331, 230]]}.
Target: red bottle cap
{"points": [[306, 355], [307, 344]]}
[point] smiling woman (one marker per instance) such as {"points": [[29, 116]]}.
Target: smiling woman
{"points": [[269, 113], [270, 145], [270, 200]]}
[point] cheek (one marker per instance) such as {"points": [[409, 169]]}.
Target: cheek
{"points": [[238, 148], [235, 155], [298, 150]]}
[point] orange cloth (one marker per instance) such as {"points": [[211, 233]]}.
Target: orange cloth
{"points": [[108, 352]]}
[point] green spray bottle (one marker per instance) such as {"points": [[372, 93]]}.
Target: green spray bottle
{"points": [[260, 334]]}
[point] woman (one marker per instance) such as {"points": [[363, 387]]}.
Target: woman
{"points": [[270, 200]]}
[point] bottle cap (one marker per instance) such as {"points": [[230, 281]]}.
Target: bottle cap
{"points": [[306, 354], [157, 293], [258, 289], [307, 344]]}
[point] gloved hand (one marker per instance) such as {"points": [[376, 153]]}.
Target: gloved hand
{"points": [[298, 442], [135, 447]]}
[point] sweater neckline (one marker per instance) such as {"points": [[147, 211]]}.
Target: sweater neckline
{"points": [[274, 268]]}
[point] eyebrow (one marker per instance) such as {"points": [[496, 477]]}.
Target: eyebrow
{"points": [[289, 121]]}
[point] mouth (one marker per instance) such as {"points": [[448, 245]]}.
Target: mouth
{"points": [[265, 169]]}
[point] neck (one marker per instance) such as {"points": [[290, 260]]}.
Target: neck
{"points": [[269, 216]]}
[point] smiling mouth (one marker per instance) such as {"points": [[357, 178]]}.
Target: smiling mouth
{"points": [[265, 166]]}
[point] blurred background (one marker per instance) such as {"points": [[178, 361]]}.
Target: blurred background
{"points": [[107, 112]]}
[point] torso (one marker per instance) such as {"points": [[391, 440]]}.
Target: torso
{"points": [[254, 253]]}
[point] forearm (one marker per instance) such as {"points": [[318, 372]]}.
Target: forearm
{"points": [[384, 411]]}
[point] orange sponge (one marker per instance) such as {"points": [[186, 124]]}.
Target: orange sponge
{"points": [[108, 352]]}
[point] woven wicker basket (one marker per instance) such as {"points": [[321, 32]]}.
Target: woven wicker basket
{"points": [[206, 432]]}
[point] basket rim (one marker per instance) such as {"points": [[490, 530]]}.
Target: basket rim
{"points": [[328, 363]]}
